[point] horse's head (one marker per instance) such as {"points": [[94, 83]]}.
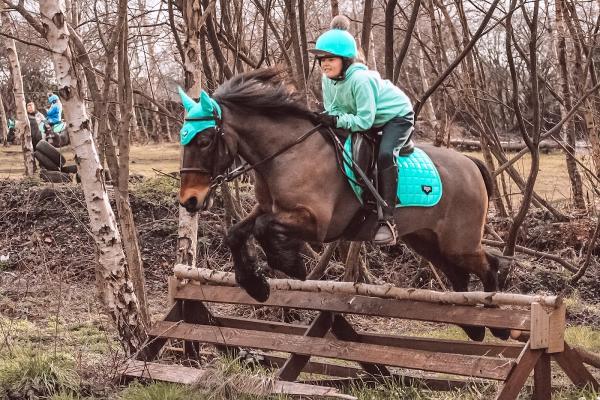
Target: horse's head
{"points": [[205, 151]]}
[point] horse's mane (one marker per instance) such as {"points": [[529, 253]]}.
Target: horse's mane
{"points": [[268, 91]]}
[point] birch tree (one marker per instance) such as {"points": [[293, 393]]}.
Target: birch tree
{"points": [[22, 128], [3, 124], [117, 293]]}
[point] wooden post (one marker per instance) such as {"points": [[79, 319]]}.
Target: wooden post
{"points": [[542, 379], [540, 327], [294, 365], [557, 326], [519, 374], [172, 285], [570, 362]]}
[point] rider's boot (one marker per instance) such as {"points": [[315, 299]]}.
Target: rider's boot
{"points": [[388, 188]]}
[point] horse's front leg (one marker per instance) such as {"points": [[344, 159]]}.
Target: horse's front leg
{"points": [[279, 235], [247, 272]]}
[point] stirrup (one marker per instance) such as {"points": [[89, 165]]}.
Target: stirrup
{"points": [[386, 241]]}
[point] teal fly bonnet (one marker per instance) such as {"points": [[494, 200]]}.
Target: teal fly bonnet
{"points": [[198, 115]]}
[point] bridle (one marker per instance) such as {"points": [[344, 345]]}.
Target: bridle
{"points": [[219, 131], [217, 178]]}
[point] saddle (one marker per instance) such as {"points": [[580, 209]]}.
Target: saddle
{"points": [[365, 148]]}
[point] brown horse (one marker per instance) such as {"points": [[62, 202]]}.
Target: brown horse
{"points": [[303, 195]]}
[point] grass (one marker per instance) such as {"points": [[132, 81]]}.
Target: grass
{"points": [[552, 182], [159, 190], [143, 158], [159, 391], [473, 392], [27, 372], [583, 336]]}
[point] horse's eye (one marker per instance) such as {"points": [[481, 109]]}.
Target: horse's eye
{"points": [[204, 142]]}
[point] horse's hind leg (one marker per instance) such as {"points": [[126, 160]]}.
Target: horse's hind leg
{"points": [[283, 252], [247, 272], [485, 266], [425, 243]]}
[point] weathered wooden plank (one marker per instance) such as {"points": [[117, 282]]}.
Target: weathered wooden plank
{"points": [[516, 380], [353, 304], [303, 389], [313, 367], [386, 291], [195, 312], [570, 362], [294, 365], [508, 350], [188, 376], [483, 367], [342, 330], [161, 372], [172, 285], [542, 379], [155, 343]]}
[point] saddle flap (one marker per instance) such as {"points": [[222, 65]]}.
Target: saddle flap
{"points": [[363, 152]]}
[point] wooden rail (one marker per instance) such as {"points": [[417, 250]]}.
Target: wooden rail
{"points": [[205, 275]]}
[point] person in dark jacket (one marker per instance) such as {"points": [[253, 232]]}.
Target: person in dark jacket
{"points": [[35, 118]]}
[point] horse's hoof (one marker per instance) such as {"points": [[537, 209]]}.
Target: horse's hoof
{"points": [[295, 270], [299, 272], [503, 334], [256, 286], [475, 333]]}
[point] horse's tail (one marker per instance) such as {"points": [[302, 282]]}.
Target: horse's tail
{"points": [[486, 175]]}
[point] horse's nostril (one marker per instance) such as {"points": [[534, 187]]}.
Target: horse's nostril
{"points": [[192, 202]]}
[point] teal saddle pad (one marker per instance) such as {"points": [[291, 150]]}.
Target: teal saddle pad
{"points": [[419, 183]]}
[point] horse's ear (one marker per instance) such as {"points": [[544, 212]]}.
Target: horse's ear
{"points": [[187, 101], [205, 101]]}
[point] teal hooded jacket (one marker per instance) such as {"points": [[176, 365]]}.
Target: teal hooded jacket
{"points": [[363, 100]]}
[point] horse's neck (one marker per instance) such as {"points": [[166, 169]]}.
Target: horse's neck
{"points": [[262, 137]]}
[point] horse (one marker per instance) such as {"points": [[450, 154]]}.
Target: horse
{"points": [[302, 195]]}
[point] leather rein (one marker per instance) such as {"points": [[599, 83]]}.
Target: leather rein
{"points": [[219, 178]]}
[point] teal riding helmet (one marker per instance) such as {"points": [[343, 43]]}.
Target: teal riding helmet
{"points": [[335, 42]]}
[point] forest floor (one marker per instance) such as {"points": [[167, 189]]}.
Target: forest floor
{"points": [[55, 341]]}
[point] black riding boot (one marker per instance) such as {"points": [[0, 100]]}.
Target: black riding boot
{"points": [[388, 188]]}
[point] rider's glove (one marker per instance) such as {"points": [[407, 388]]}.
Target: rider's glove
{"points": [[326, 120]]}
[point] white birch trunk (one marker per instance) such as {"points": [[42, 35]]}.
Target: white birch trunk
{"points": [[117, 292], [133, 124], [428, 106], [3, 124], [187, 234], [22, 128]]}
